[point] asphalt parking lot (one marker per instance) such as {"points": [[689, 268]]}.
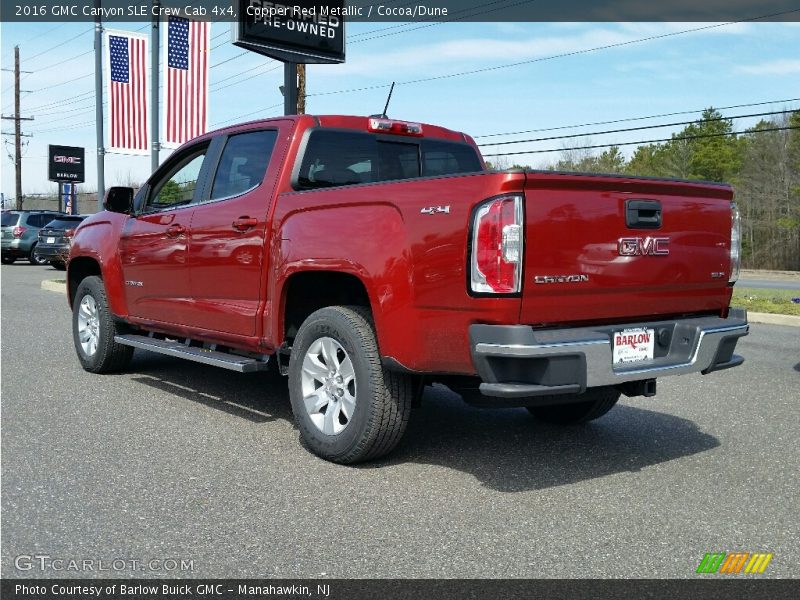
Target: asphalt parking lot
{"points": [[178, 460]]}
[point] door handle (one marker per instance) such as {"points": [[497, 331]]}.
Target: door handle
{"points": [[175, 230], [244, 223], [643, 214]]}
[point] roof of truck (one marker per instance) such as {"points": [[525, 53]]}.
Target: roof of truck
{"points": [[357, 123]]}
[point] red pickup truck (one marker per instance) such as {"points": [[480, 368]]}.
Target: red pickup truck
{"points": [[370, 257]]}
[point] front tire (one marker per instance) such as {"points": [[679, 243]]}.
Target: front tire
{"points": [[347, 407], [593, 404], [93, 330], [58, 265], [7, 260]]}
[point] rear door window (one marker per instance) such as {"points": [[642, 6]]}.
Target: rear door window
{"points": [[39, 220], [243, 163], [448, 158]]}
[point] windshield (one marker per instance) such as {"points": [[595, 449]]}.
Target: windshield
{"points": [[10, 219]]}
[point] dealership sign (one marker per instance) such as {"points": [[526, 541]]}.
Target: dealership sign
{"points": [[66, 163], [297, 32]]}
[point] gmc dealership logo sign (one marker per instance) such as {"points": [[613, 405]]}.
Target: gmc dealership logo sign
{"points": [[301, 31], [66, 164], [649, 246]]}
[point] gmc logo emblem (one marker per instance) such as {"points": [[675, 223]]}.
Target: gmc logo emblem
{"points": [[73, 160], [649, 246]]}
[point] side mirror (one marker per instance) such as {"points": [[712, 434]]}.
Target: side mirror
{"points": [[119, 200]]}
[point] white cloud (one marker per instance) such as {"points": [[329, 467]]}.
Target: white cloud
{"points": [[774, 67]]}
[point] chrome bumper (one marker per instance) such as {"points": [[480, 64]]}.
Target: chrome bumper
{"points": [[516, 361]]}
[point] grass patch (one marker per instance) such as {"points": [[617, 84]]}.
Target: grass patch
{"points": [[777, 302]]}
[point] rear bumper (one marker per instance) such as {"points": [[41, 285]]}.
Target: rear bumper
{"points": [[51, 252], [517, 361], [16, 247]]}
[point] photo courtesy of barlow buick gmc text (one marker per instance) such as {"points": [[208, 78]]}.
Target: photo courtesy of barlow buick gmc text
{"points": [[343, 299]]}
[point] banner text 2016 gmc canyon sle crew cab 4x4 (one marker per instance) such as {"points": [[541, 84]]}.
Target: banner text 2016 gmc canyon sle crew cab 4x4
{"points": [[371, 257]]}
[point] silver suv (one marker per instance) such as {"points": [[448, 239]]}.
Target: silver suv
{"points": [[20, 233]]}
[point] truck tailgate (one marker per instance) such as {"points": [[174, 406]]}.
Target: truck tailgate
{"points": [[594, 250]]}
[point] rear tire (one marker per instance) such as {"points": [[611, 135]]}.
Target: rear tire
{"points": [[94, 328], [592, 405], [58, 265], [35, 260], [347, 407]]}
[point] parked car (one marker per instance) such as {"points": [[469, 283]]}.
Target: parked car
{"points": [[20, 234], [382, 256], [55, 239]]}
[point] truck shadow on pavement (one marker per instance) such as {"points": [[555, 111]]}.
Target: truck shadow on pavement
{"points": [[508, 450], [257, 397], [504, 449]]}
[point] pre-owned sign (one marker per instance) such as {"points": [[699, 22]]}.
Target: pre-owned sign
{"points": [[300, 31], [66, 164]]}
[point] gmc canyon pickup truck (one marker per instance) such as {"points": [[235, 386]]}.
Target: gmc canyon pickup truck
{"points": [[369, 257]]}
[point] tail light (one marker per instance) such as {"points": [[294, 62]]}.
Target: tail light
{"points": [[736, 243], [18, 231], [497, 247], [69, 233]]}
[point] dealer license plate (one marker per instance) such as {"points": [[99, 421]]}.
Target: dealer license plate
{"points": [[633, 345], [51, 240]]}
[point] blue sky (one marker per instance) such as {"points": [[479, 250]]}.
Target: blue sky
{"points": [[727, 65]]}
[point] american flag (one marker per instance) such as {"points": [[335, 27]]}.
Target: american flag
{"points": [[128, 98], [186, 79]]}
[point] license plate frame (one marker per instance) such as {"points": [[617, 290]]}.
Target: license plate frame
{"points": [[51, 240], [632, 345]]}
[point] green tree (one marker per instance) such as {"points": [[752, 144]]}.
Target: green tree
{"points": [[716, 153]]}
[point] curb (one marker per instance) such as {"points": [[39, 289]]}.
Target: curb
{"points": [[771, 319], [53, 285]]}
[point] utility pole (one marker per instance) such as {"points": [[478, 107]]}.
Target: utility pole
{"points": [[98, 106], [289, 88], [154, 82], [17, 118], [301, 89]]}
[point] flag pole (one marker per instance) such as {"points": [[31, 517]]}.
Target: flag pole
{"points": [[154, 109], [98, 88]]}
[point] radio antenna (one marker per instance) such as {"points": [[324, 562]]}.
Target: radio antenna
{"points": [[385, 108]]}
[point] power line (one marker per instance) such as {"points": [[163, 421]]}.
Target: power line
{"points": [[236, 118], [440, 22], [243, 80], [592, 133], [670, 114], [227, 60], [55, 85], [36, 37], [671, 139], [79, 98], [553, 56], [59, 45]]}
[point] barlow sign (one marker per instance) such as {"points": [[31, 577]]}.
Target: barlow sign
{"points": [[296, 32], [66, 163]]}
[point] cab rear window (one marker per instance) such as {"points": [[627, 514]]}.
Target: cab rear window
{"points": [[335, 158]]}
